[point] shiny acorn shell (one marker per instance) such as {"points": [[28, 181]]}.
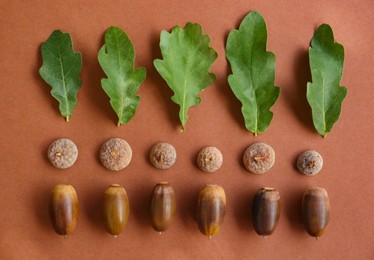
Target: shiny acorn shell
{"points": [[63, 209], [162, 206], [266, 211], [211, 209], [315, 211], [116, 209]]}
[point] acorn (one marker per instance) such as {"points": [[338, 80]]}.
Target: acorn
{"points": [[315, 211], [266, 211], [116, 209], [162, 206], [211, 208], [63, 209]]}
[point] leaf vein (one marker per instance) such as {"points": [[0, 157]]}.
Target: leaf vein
{"points": [[63, 82]]}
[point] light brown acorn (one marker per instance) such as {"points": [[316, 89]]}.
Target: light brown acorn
{"points": [[162, 206], [211, 209], [63, 209], [116, 209], [315, 211], [266, 211]]}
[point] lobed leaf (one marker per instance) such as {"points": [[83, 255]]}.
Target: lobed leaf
{"points": [[116, 58], [253, 72], [324, 93], [61, 70], [187, 59]]}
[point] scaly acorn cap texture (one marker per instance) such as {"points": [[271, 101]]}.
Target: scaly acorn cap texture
{"points": [[259, 158]]}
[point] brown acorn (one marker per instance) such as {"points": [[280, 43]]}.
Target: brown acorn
{"points": [[162, 207], [116, 209], [315, 211], [211, 208], [266, 211], [63, 209]]}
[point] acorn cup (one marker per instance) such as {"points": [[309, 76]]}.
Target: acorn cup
{"points": [[266, 211], [315, 211], [162, 206], [211, 209], [63, 209], [116, 209]]}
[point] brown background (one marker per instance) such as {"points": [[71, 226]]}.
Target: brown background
{"points": [[30, 121]]}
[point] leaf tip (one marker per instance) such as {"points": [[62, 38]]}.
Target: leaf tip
{"points": [[325, 26], [58, 32]]}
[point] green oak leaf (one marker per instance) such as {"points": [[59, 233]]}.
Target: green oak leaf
{"points": [[187, 59], [61, 70], [324, 94], [116, 58], [253, 72]]}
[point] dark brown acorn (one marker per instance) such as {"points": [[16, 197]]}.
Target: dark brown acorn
{"points": [[315, 211], [211, 208], [116, 209], [266, 211], [162, 207], [63, 209]]}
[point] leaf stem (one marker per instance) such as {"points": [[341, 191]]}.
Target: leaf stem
{"points": [[67, 118]]}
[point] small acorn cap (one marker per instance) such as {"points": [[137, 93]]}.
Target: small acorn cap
{"points": [[62, 153], [309, 163], [115, 154], [268, 193], [162, 155], [316, 191], [259, 158], [209, 159]]}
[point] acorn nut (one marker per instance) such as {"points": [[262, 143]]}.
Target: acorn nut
{"points": [[315, 211], [211, 209], [63, 209], [116, 209], [266, 211], [162, 206]]}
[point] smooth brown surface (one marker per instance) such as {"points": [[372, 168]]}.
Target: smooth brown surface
{"points": [[162, 207], [116, 209], [315, 210], [64, 209], [266, 211], [211, 210], [30, 121]]}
